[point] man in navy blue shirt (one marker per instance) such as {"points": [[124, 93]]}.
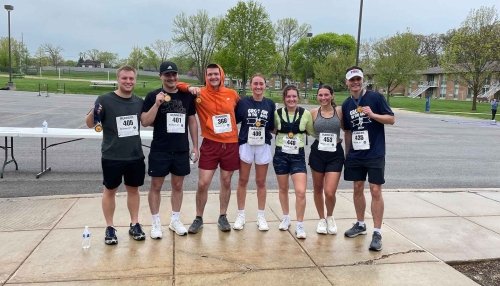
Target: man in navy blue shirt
{"points": [[364, 115]]}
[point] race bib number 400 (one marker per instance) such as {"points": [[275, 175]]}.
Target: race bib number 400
{"points": [[222, 123], [127, 126], [360, 140], [256, 136], [176, 123]]}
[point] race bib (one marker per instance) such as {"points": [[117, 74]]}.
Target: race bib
{"points": [[222, 123], [127, 126], [360, 140], [327, 142], [176, 123], [256, 136], [290, 145]]}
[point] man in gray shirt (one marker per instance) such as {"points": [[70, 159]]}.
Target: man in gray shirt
{"points": [[122, 156]]}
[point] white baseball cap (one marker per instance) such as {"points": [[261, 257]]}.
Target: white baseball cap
{"points": [[352, 73]]}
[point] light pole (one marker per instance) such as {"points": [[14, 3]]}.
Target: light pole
{"points": [[309, 35], [359, 30], [9, 8]]}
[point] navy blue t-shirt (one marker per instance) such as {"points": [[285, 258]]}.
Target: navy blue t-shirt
{"points": [[249, 111], [355, 121], [180, 102]]}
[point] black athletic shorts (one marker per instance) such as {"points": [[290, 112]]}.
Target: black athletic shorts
{"points": [[357, 169], [133, 173], [160, 164]]}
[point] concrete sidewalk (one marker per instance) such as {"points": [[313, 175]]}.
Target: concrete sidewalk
{"points": [[40, 242]]}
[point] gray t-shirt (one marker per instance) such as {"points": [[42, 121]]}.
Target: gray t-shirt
{"points": [[120, 118]]}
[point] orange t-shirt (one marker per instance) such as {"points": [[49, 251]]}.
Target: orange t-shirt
{"points": [[211, 106]]}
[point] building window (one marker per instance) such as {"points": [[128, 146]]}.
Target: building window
{"points": [[277, 84], [442, 93], [455, 91]]}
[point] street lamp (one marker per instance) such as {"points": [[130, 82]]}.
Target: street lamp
{"points": [[9, 8], [359, 30], [309, 35]]}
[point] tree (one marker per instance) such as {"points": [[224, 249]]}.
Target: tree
{"points": [[92, 55], [162, 49], [473, 50], [397, 60], [247, 41], [307, 52], [53, 53], [19, 54], [332, 69], [136, 57], [288, 33], [109, 59], [432, 47], [197, 34]]}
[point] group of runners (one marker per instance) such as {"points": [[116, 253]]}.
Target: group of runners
{"points": [[177, 110]]}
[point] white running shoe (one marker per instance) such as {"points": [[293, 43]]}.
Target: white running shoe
{"points": [[262, 223], [285, 223], [177, 227], [300, 232], [321, 228], [156, 232], [239, 223], [332, 226]]}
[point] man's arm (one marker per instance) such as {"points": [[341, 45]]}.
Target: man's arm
{"points": [[381, 118], [347, 140], [89, 118], [148, 118], [193, 131]]}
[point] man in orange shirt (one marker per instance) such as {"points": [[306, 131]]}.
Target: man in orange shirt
{"points": [[215, 108]]}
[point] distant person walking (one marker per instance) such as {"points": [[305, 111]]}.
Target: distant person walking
{"points": [[364, 115], [256, 114], [494, 107], [326, 158], [172, 113], [122, 156]]}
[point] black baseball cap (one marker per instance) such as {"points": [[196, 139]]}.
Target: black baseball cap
{"points": [[167, 67]]}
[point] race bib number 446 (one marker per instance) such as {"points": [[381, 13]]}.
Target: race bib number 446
{"points": [[127, 126]]}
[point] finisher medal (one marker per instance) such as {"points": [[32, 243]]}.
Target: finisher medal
{"points": [[167, 98], [359, 109], [198, 99], [257, 124], [97, 118], [290, 135]]}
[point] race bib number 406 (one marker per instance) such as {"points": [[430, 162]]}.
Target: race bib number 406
{"points": [[127, 126]]}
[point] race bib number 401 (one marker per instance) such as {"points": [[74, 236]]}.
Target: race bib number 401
{"points": [[127, 126]]}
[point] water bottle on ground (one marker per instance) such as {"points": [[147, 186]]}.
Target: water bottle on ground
{"points": [[45, 126], [86, 238]]}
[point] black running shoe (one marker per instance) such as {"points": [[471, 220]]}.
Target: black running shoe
{"points": [[355, 230], [196, 225], [223, 224], [136, 232], [376, 244], [110, 236]]}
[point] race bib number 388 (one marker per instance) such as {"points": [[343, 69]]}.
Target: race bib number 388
{"points": [[127, 126]]}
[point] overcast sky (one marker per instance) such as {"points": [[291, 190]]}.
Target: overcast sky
{"points": [[119, 25]]}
